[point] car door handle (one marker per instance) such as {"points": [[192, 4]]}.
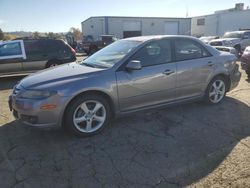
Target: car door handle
{"points": [[168, 72], [210, 64]]}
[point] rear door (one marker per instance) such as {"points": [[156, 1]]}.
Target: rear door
{"points": [[194, 66], [154, 84], [12, 54], [36, 55]]}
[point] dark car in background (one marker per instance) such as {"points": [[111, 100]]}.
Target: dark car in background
{"points": [[90, 46], [29, 55]]}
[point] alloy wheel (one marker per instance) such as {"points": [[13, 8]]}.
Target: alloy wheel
{"points": [[217, 91], [89, 116]]}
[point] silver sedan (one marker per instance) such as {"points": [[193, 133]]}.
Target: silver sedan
{"points": [[129, 75]]}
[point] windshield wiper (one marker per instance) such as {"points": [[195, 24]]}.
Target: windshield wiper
{"points": [[88, 65], [94, 65]]}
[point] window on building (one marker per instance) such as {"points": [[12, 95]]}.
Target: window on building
{"points": [[201, 21]]}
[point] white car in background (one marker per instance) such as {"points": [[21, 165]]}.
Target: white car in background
{"points": [[236, 39]]}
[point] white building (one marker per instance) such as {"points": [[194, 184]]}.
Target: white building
{"points": [[221, 21], [123, 27]]}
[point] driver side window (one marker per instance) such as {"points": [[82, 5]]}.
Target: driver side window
{"points": [[154, 53]]}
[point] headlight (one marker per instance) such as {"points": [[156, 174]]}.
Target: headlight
{"points": [[36, 94]]}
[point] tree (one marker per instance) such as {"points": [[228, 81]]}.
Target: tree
{"points": [[36, 35], [9, 36], [76, 33], [1, 34]]}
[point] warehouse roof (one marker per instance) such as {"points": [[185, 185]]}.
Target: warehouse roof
{"points": [[128, 17]]}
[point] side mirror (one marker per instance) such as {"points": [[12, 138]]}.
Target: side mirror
{"points": [[133, 65]]}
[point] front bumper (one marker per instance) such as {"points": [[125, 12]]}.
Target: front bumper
{"points": [[235, 78], [29, 112]]}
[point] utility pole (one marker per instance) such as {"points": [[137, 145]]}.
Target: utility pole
{"points": [[186, 11]]}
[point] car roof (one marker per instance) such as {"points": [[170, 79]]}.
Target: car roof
{"points": [[107, 35], [155, 37], [236, 32], [29, 38]]}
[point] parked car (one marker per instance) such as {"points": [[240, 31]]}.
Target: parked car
{"points": [[207, 39], [29, 55], [245, 61], [237, 39], [227, 49], [127, 76], [90, 46]]}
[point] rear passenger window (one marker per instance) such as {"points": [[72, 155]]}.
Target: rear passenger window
{"points": [[187, 49], [54, 45], [154, 53], [33, 47]]}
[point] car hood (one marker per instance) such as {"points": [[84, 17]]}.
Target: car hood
{"points": [[63, 73], [233, 40]]}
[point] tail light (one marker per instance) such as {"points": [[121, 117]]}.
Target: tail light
{"points": [[73, 51]]}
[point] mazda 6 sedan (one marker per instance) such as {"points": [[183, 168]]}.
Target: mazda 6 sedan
{"points": [[129, 75]]}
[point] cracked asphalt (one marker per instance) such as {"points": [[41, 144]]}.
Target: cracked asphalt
{"points": [[189, 145]]}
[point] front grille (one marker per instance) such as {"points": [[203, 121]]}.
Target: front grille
{"points": [[216, 43], [29, 119]]}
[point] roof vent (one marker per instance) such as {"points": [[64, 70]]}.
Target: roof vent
{"points": [[239, 6]]}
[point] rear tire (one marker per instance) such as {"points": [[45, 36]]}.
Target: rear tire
{"points": [[87, 115], [216, 90]]}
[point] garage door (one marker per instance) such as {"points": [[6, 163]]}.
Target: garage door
{"points": [[171, 28], [131, 29], [131, 26]]}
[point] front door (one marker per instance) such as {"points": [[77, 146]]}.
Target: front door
{"points": [[12, 54], [155, 83]]}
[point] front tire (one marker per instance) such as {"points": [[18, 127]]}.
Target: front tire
{"points": [[216, 90], [87, 115]]}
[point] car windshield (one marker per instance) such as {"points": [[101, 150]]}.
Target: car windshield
{"points": [[232, 35], [110, 55]]}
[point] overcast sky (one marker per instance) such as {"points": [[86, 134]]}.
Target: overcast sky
{"points": [[60, 15]]}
